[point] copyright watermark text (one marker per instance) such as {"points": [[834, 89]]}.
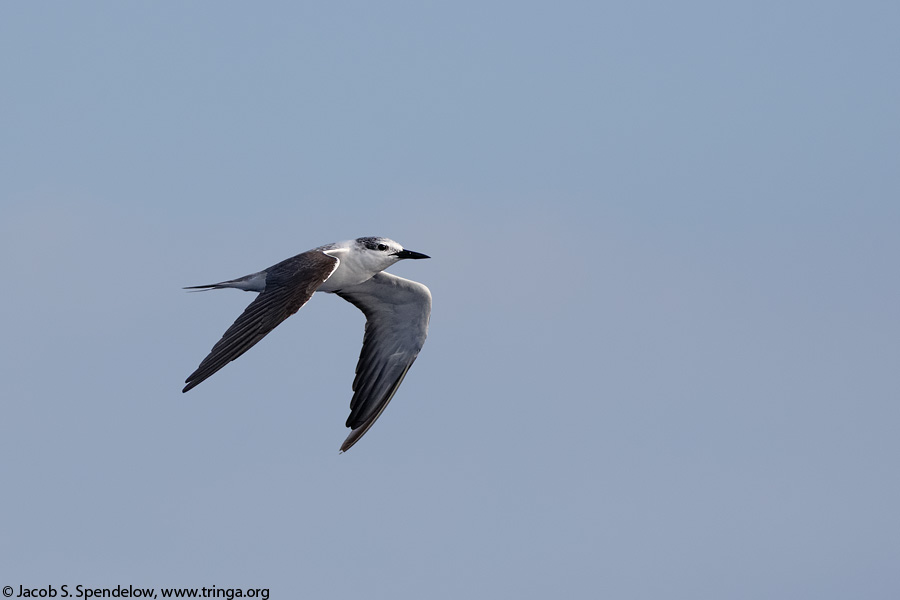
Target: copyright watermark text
{"points": [[120, 591]]}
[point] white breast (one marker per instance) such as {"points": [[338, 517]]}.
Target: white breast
{"points": [[350, 271]]}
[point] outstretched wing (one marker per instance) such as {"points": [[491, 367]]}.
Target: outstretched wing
{"points": [[397, 312], [288, 286]]}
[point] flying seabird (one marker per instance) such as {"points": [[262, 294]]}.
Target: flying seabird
{"points": [[396, 309]]}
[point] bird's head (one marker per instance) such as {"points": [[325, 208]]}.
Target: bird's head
{"points": [[380, 252]]}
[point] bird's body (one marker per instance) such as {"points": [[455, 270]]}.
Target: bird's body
{"points": [[397, 311]]}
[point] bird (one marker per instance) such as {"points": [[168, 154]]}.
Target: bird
{"points": [[397, 313]]}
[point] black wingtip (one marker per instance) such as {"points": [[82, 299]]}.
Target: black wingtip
{"points": [[191, 383], [356, 434]]}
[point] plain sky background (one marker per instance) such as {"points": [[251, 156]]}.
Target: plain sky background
{"points": [[663, 357]]}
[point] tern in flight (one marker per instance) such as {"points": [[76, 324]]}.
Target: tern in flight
{"points": [[396, 309]]}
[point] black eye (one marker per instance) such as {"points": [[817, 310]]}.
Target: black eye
{"points": [[382, 247]]}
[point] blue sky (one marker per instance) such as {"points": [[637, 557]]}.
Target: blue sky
{"points": [[664, 346]]}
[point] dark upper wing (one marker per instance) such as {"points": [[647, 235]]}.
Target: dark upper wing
{"points": [[397, 312], [289, 285]]}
